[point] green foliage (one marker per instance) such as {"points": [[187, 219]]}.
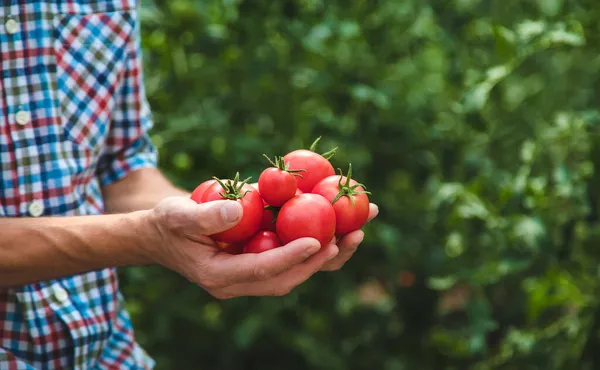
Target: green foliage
{"points": [[474, 125]]}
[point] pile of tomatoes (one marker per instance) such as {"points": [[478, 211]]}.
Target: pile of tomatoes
{"points": [[298, 196]]}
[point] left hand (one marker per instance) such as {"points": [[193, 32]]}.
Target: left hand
{"points": [[348, 244]]}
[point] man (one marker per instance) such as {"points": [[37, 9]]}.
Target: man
{"points": [[74, 143]]}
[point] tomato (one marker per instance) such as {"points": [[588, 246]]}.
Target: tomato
{"points": [[349, 199], [237, 248], [298, 192], [277, 186], [200, 189], [252, 205], [268, 221], [262, 241], [306, 215], [316, 166], [278, 183]]}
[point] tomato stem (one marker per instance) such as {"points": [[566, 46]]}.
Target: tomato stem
{"points": [[279, 163], [326, 155], [232, 188], [348, 190]]}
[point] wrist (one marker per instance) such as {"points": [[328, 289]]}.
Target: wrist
{"points": [[147, 235]]}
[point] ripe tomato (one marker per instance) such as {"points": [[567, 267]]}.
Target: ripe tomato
{"points": [[306, 215], [278, 183], [262, 241], [316, 166], [349, 199], [252, 205], [200, 189]]}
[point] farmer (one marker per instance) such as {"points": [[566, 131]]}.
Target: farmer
{"points": [[80, 194]]}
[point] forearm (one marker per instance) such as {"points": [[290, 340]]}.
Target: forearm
{"points": [[140, 190], [37, 249]]}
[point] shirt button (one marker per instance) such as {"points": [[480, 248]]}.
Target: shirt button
{"points": [[36, 209], [11, 26], [60, 294], [22, 117]]}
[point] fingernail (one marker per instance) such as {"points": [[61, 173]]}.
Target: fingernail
{"points": [[230, 212]]}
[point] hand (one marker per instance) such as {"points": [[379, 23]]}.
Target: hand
{"points": [[179, 227], [348, 244]]}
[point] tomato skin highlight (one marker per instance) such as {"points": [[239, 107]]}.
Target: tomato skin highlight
{"points": [[252, 205], [200, 189], [349, 217], [317, 167], [306, 215], [277, 186], [261, 242]]}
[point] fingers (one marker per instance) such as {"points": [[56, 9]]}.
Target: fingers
{"points": [[244, 268], [347, 246], [373, 211], [284, 283]]}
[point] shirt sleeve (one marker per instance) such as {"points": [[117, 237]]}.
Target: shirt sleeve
{"points": [[128, 146]]}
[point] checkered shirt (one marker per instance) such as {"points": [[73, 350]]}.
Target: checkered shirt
{"points": [[73, 117]]}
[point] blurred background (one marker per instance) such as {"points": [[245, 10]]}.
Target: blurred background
{"points": [[473, 122]]}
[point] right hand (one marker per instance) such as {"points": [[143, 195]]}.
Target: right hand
{"points": [[180, 228]]}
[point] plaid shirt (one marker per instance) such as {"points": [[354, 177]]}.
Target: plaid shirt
{"points": [[73, 117]]}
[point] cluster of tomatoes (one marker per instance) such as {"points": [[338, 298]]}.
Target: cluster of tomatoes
{"points": [[298, 196]]}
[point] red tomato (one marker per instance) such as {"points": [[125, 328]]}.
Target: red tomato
{"points": [[316, 166], [252, 205], [306, 215], [278, 183], [262, 241], [200, 189], [277, 186], [349, 199], [298, 192]]}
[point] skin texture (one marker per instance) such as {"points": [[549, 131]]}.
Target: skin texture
{"points": [[249, 224], [349, 216], [262, 242], [277, 186], [317, 167], [157, 223], [306, 215]]}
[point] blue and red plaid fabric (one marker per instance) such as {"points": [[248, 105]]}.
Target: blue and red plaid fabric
{"points": [[73, 117]]}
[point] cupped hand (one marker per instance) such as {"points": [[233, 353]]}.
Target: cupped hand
{"points": [[179, 229]]}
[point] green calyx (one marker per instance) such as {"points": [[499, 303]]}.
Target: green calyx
{"points": [[279, 163], [347, 190], [232, 189], [327, 155]]}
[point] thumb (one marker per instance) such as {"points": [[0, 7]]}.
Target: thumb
{"points": [[213, 217], [200, 219]]}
